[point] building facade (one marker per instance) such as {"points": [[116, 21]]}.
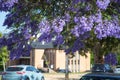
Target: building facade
{"points": [[54, 59], [47, 57]]}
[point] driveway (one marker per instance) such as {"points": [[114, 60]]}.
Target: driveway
{"points": [[61, 76]]}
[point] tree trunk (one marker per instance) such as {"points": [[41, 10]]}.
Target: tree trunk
{"points": [[98, 57], [3, 64], [66, 72]]}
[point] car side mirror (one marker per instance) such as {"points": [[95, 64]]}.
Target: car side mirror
{"points": [[37, 71]]}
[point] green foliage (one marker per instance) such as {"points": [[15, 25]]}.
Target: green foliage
{"points": [[117, 50], [3, 54], [118, 58], [92, 58]]}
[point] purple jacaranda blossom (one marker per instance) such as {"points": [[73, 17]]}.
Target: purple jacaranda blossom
{"points": [[102, 4]]}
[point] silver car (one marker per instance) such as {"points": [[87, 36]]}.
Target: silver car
{"points": [[22, 72], [117, 69]]}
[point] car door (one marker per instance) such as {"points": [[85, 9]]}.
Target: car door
{"points": [[30, 73], [35, 73]]}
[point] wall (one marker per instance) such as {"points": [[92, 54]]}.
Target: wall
{"points": [[60, 59], [37, 58]]}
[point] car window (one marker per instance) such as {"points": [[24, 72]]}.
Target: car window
{"points": [[14, 69], [96, 66], [118, 67], [33, 69], [107, 66], [30, 68]]}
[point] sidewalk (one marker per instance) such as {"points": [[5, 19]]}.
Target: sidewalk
{"points": [[61, 76]]}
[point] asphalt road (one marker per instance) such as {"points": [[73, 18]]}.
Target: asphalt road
{"points": [[61, 76]]}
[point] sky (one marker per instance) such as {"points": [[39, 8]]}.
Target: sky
{"points": [[2, 18]]}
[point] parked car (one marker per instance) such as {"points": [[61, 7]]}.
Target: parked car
{"points": [[101, 68], [100, 76], [117, 69], [22, 72], [62, 71]]}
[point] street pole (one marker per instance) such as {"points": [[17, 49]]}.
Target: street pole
{"points": [[66, 72]]}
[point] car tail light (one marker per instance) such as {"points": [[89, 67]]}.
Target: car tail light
{"points": [[21, 72]]}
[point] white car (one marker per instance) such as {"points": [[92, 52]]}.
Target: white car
{"points": [[22, 72], [117, 69]]}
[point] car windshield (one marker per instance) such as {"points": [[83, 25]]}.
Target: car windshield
{"points": [[98, 66], [118, 67], [14, 69], [98, 78], [107, 66], [101, 66]]}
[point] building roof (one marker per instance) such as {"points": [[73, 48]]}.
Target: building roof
{"points": [[40, 45]]}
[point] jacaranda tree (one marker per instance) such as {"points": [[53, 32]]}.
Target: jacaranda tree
{"points": [[80, 25], [111, 59]]}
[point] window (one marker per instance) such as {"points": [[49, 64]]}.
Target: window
{"points": [[68, 62], [33, 69], [28, 69], [14, 69], [75, 61], [71, 61], [24, 61]]}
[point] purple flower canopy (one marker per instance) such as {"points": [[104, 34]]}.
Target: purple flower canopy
{"points": [[111, 59], [76, 20]]}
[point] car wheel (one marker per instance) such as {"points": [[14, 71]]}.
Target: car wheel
{"points": [[42, 78]]}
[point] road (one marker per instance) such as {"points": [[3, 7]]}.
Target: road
{"points": [[61, 76]]}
